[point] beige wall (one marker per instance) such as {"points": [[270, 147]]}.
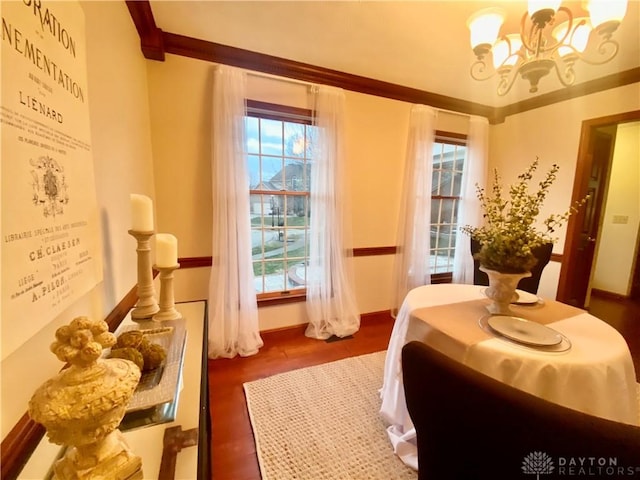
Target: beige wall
{"points": [[553, 134], [376, 130], [121, 150], [376, 134], [617, 242]]}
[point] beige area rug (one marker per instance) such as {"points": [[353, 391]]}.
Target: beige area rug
{"points": [[322, 423]]}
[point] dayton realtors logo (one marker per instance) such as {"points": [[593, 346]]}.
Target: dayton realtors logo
{"points": [[539, 463]]}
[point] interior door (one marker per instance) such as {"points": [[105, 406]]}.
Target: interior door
{"points": [[598, 160]]}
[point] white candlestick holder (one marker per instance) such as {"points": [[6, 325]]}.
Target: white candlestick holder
{"points": [[167, 305], [146, 306]]}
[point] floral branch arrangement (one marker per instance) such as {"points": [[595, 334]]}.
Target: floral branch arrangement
{"points": [[509, 236]]}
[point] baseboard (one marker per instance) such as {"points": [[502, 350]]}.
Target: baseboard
{"points": [[379, 316], [290, 329]]}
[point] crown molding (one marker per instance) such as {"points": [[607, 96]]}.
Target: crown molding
{"points": [[614, 80], [150, 35], [238, 57], [155, 43]]}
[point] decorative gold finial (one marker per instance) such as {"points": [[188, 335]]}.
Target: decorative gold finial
{"points": [[83, 405]]}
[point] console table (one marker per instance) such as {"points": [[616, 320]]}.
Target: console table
{"points": [[176, 449]]}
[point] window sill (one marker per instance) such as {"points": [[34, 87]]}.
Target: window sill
{"points": [[279, 298], [282, 298]]}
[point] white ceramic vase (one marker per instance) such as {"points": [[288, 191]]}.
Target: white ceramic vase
{"points": [[502, 290]]}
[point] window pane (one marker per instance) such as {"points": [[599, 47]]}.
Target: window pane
{"points": [[446, 184], [254, 172], [258, 278], [435, 181], [457, 184], [437, 155], [448, 211], [297, 210], [461, 153], [448, 149], [294, 139], [259, 206], [435, 211], [272, 173], [274, 276], [297, 275], [271, 137], [252, 134], [296, 175]]}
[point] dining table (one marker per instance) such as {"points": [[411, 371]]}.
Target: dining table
{"points": [[570, 357]]}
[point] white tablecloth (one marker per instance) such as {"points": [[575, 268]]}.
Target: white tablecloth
{"points": [[595, 376]]}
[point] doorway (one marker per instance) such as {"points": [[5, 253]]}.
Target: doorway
{"points": [[593, 167]]}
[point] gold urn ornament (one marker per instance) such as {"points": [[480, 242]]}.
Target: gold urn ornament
{"points": [[83, 405]]}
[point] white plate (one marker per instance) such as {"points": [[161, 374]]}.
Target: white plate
{"points": [[525, 298], [524, 331]]}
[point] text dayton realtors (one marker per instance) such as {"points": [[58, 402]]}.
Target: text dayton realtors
{"points": [[591, 466]]}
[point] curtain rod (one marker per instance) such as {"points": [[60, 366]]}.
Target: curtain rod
{"points": [[451, 112], [276, 77], [308, 84]]}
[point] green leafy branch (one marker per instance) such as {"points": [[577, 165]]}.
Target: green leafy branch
{"points": [[509, 233]]}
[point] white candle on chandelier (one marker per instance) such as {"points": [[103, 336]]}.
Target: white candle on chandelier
{"points": [[141, 213], [166, 250]]}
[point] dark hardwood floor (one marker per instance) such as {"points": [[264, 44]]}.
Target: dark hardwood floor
{"points": [[233, 449], [624, 316], [233, 454]]}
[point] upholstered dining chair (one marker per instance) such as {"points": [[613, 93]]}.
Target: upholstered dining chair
{"points": [[529, 284], [470, 426]]}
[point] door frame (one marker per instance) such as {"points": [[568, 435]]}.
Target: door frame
{"points": [[581, 178]]}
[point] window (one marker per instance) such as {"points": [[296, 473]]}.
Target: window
{"points": [[278, 155], [449, 153]]}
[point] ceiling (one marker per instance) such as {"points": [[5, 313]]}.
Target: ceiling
{"points": [[418, 44]]}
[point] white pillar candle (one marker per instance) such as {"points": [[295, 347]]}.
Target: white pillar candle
{"points": [[166, 250], [141, 213]]}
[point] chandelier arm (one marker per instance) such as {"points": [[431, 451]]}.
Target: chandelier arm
{"points": [[479, 71], [507, 79], [525, 38], [602, 50], [570, 30], [538, 48], [569, 76]]}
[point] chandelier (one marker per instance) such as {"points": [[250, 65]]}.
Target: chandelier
{"points": [[550, 38]]}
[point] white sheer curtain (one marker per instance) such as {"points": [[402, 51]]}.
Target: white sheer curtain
{"points": [[331, 302], [469, 211], [411, 267], [233, 309]]}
